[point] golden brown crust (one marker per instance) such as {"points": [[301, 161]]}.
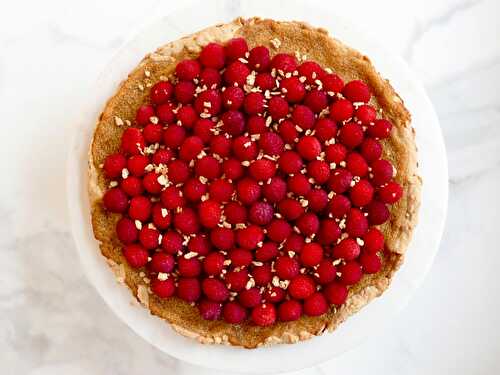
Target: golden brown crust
{"points": [[288, 37]]}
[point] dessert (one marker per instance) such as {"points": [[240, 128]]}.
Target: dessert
{"points": [[254, 183]]}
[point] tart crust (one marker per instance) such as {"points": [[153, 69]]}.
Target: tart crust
{"points": [[290, 37]]}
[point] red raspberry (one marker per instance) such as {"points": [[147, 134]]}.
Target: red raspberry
{"points": [[336, 293], [232, 98], [361, 194], [162, 156], [262, 169], [347, 249], [188, 69], [339, 205], [303, 117], [114, 164], [374, 241], [151, 184], [366, 114], [357, 91], [356, 164], [340, 180], [265, 81], [236, 74], [188, 289], [132, 186], [165, 112], [249, 237], [329, 232], [240, 257], [132, 141], [309, 147], [278, 230], [284, 62], [126, 231], [208, 167], [378, 213], [178, 171], [161, 262], [171, 242], [293, 89], [325, 129], [244, 148], [136, 255], [275, 190], [319, 170], [370, 263], [351, 135], [289, 311], [234, 313], [290, 162], [209, 213], [163, 288], [152, 133], [287, 268], [256, 125], [188, 267], [301, 287], [184, 92], [149, 238], [271, 143], [115, 200], [186, 221], [311, 254], [356, 223], [173, 136], [294, 242], [143, 115], [187, 116], [326, 272], [250, 297], [382, 172], [213, 56], [210, 77], [236, 48], [290, 208], [213, 264], [315, 305], [233, 122], [316, 100], [298, 184], [140, 208], [351, 273], [278, 108], [215, 290], [262, 275], [261, 213], [259, 59], [194, 189], [136, 165], [220, 145], [232, 169], [332, 83], [248, 191], [268, 251], [161, 92], [390, 193], [308, 224], [199, 244], [380, 129], [210, 310], [237, 280], [172, 198], [371, 149], [254, 103], [318, 199], [222, 238], [274, 294], [208, 101], [311, 70], [335, 153], [341, 110], [235, 213], [264, 315], [190, 148], [221, 190]]}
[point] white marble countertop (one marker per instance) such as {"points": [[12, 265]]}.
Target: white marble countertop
{"points": [[51, 319]]}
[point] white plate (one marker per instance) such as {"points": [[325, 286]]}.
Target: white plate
{"points": [[433, 169]]}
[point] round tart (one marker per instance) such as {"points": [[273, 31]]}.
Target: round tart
{"points": [[254, 183]]}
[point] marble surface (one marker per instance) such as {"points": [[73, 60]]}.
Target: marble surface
{"points": [[51, 319]]}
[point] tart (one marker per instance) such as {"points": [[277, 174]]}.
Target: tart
{"points": [[254, 183]]}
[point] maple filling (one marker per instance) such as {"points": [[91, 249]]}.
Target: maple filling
{"points": [[252, 186]]}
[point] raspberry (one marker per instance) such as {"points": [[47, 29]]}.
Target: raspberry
{"points": [[271, 143], [274, 294], [290, 208], [361, 194], [213, 264], [144, 113], [161, 262], [178, 171], [215, 290], [190, 148], [336, 293], [222, 238], [293, 89], [240, 257], [232, 98], [311, 70], [162, 156], [209, 101], [187, 116], [325, 129], [390, 193], [347, 249], [264, 315], [149, 238], [254, 103], [294, 242], [165, 112], [208, 167], [335, 153], [114, 164], [210, 77], [199, 244], [140, 208], [370, 263], [261, 213], [318, 200], [220, 190], [188, 267], [209, 213], [332, 83], [340, 180], [152, 133], [163, 288], [339, 205], [188, 289], [382, 172], [316, 100], [287, 268], [160, 93], [235, 213], [237, 280], [115, 200], [278, 230], [126, 231], [315, 305], [172, 198], [151, 184], [357, 91], [275, 190], [290, 162], [378, 213], [248, 191], [232, 169], [308, 224], [173, 136], [256, 125], [374, 241], [249, 237], [265, 81], [171, 242], [136, 255], [284, 62], [303, 117], [220, 145], [262, 169], [184, 92], [289, 311], [136, 165], [250, 297], [259, 59], [132, 186], [356, 164], [194, 189], [319, 170], [186, 221], [301, 287], [298, 184], [213, 56], [356, 223], [210, 310], [236, 48], [268, 251], [351, 273], [233, 122], [326, 272], [309, 147], [380, 129], [366, 114], [234, 313], [371, 149], [329, 232], [132, 141], [278, 108], [311, 254], [262, 275], [236, 74], [188, 69], [341, 110], [351, 135]]}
